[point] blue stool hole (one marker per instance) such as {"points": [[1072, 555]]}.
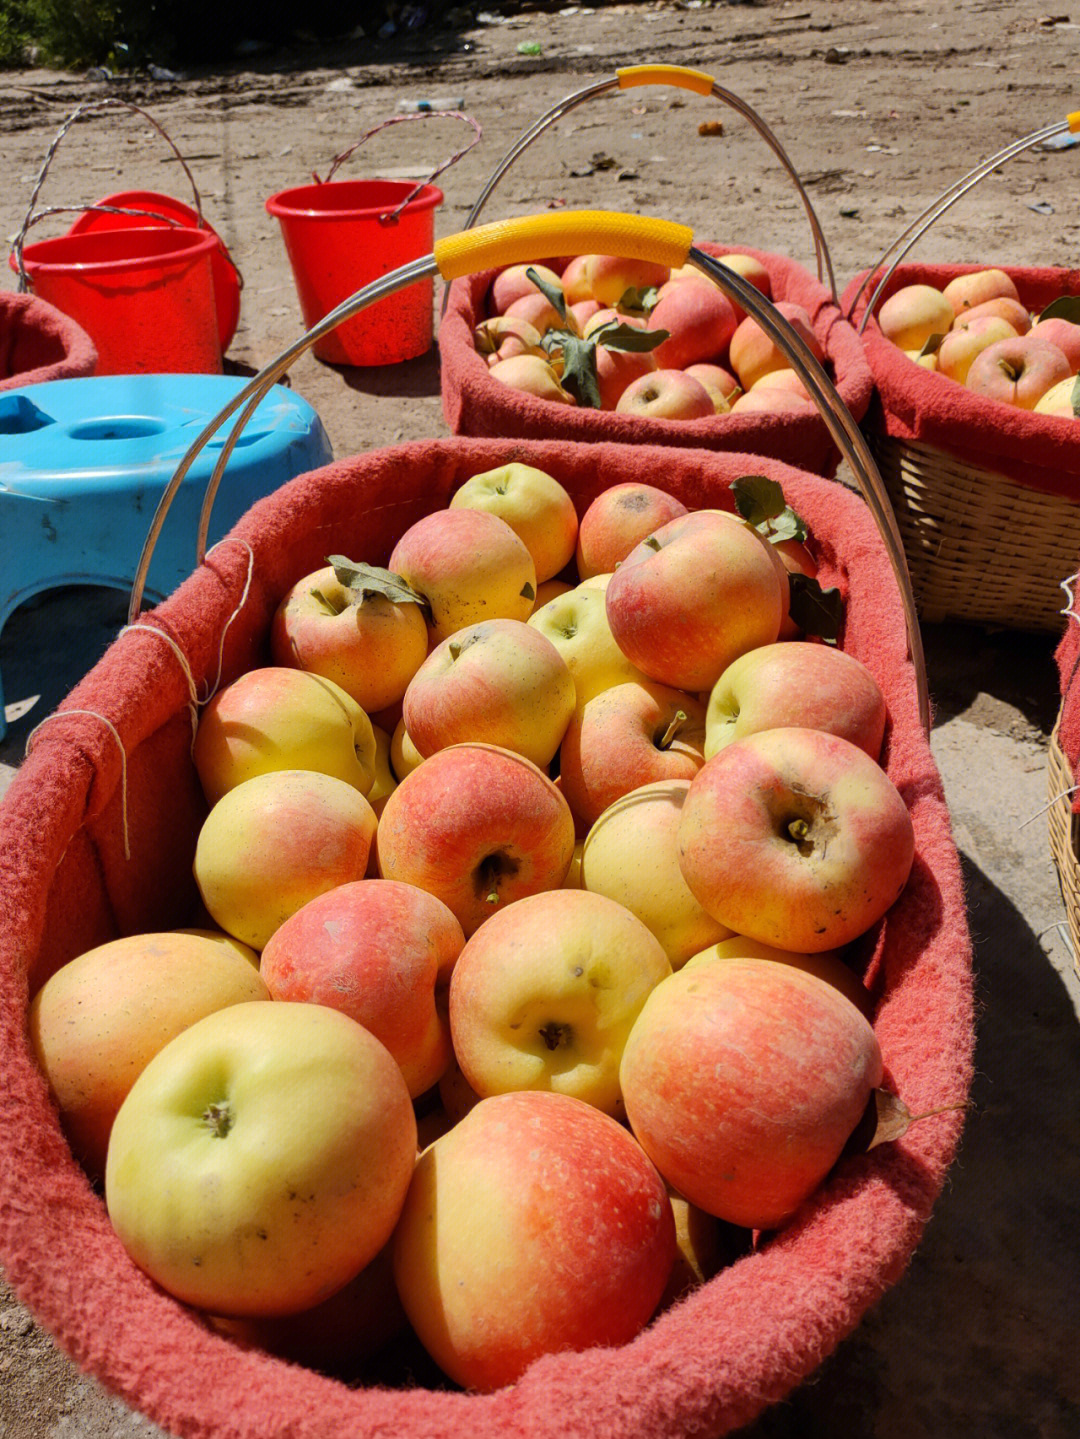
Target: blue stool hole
{"points": [[118, 427], [18, 416]]}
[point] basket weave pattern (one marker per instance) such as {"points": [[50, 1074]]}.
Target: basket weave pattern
{"points": [[1063, 827]]}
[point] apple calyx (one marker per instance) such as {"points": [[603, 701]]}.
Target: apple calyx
{"points": [[556, 1035], [363, 581], [665, 741], [218, 1118]]}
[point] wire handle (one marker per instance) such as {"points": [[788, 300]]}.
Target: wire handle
{"points": [[682, 78], [919, 226], [391, 216], [109, 102], [508, 241]]}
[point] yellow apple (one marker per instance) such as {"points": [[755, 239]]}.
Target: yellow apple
{"points": [[535, 506], [577, 625]]}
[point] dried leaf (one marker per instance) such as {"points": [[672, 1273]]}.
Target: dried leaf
{"points": [[364, 581], [894, 1118], [932, 346]]}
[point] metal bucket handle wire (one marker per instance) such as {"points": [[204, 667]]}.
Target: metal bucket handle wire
{"points": [[919, 226], [513, 241], [682, 78]]}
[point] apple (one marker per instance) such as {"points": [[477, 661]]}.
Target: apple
{"points": [[505, 336], [479, 827], [550, 590], [1060, 399], [631, 855], [617, 370], [795, 837], [377, 951], [532, 376], [456, 1094], [797, 560], [804, 685], [276, 841], [967, 291], [722, 386], [501, 682], [469, 565], [535, 1226], [1017, 315], [537, 310], [609, 277], [385, 780], [261, 1159], [277, 718], [513, 283], [544, 994], [1062, 333], [627, 736], [583, 311], [404, 756], [827, 965], [750, 268], [752, 353], [577, 625], [693, 596], [575, 281], [700, 1250], [535, 506], [99, 1020], [368, 644], [771, 400], [618, 519], [743, 1082], [608, 314], [666, 395], [699, 319], [968, 338], [913, 313], [1018, 372], [785, 379]]}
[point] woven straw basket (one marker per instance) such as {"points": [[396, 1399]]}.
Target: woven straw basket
{"points": [[1063, 827]]}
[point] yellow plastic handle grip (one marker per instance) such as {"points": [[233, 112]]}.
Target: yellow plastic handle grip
{"points": [[574, 232], [1074, 122], [679, 75]]}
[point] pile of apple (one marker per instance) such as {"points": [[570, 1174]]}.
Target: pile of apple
{"points": [[527, 868], [641, 339], [978, 332]]}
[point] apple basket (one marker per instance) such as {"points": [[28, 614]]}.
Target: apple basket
{"points": [[1063, 760], [38, 343], [97, 838], [476, 404], [986, 494]]}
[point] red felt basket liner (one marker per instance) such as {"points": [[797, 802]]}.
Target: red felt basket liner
{"points": [[1040, 452], [39, 343], [476, 404], [705, 1367]]}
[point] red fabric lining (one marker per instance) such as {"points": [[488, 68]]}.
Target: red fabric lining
{"points": [[475, 404], [705, 1367], [39, 343], [1067, 656], [1041, 452]]}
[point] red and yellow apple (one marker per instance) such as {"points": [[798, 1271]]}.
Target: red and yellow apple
{"points": [[1018, 372], [535, 506], [666, 395], [753, 353], [577, 625], [913, 313], [618, 519]]}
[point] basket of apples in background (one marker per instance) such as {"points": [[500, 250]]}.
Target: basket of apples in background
{"points": [[597, 347], [975, 430], [516, 980]]}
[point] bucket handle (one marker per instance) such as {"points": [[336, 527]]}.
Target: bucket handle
{"points": [[919, 226], [108, 102], [512, 241], [682, 78], [391, 216]]}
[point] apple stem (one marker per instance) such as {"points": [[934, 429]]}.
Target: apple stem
{"points": [[218, 1118], [455, 649], [798, 829], [652, 542], [673, 729]]}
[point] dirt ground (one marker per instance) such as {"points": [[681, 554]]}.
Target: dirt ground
{"points": [[881, 107]]}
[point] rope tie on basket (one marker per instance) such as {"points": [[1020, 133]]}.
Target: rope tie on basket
{"points": [[193, 702], [243, 601], [93, 714]]}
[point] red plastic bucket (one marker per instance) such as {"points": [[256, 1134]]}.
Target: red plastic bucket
{"points": [[144, 296], [339, 238]]}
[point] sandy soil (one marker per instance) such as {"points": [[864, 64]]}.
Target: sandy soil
{"points": [[880, 107]]}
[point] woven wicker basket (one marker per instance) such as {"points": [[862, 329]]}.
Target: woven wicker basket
{"points": [[1063, 827], [979, 547]]}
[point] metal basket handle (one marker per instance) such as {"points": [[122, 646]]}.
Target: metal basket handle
{"points": [[919, 226], [391, 216], [679, 76], [109, 102], [508, 242]]}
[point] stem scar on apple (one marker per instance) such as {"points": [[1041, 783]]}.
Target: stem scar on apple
{"points": [[218, 1118], [491, 870], [556, 1035]]}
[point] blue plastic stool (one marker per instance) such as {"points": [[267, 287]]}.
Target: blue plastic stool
{"points": [[83, 463]]}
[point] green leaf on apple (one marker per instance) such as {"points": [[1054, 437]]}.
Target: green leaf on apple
{"points": [[815, 610], [367, 581], [579, 370], [638, 300], [1066, 307], [932, 345], [761, 503], [617, 335], [552, 293]]}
